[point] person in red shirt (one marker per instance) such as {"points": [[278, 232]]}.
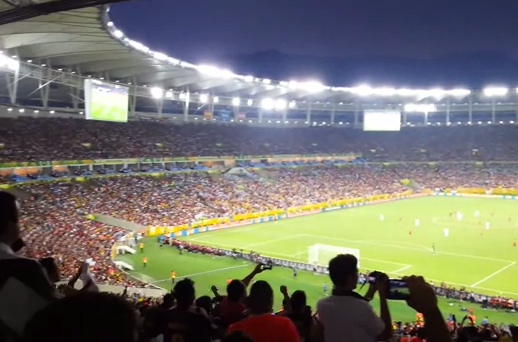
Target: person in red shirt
{"points": [[260, 308]]}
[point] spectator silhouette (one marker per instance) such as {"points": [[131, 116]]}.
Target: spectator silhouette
{"points": [[186, 322], [24, 286], [262, 325], [85, 317]]}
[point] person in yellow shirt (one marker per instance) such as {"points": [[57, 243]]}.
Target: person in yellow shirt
{"points": [[173, 277], [141, 246], [144, 262]]}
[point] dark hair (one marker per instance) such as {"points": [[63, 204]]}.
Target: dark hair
{"points": [[205, 302], [85, 317], [236, 290], [298, 300], [8, 211], [341, 267], [260, 299], [184, 292]]}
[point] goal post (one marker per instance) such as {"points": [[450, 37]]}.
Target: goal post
{"points": [[320, 254]]}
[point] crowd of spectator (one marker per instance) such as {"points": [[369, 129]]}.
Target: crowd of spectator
{"points": [[51, 221], [32, 139]]}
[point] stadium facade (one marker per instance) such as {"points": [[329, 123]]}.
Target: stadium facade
{"points": [[46, 59]]}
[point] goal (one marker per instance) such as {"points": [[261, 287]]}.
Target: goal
{"points": [[320, 255]]}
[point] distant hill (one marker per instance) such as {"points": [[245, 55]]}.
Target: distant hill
{"points": [[469, 70]]}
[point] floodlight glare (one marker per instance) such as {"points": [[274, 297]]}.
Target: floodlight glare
{"points": [[420, 108], [267, 104], [280, 104], [495, 91], [204, 98], [249, 102], [236, 101], [156, 93]]}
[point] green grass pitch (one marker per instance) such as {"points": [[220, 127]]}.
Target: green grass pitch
{"points": [[480, 259]]}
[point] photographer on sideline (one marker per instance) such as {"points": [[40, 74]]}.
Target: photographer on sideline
{"points": [[346, 315]]}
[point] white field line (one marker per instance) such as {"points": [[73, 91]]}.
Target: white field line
{"points": [[206, 272], [401, 269], [405, 248], [493, 274]]}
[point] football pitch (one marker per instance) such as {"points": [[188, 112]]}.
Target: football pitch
{"points": [[480, 259]]}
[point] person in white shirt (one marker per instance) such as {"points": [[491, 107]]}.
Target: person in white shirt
{"points": [[346, 315]]}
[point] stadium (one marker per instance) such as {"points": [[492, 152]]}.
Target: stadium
{"points": [[144, 164]]}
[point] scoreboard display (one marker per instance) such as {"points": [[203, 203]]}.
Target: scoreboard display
{"points": [[381, 120]]}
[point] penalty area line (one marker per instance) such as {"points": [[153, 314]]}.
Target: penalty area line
{"points": [[205, 272], [493, 274]]}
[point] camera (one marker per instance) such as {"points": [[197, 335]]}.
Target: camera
{"points": [[397, 289]]}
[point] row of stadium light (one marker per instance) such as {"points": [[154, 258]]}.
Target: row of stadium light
{"points": [[316, 123], [307, 86]]}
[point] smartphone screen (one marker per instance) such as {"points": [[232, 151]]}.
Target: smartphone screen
{"points": [[397, 290]]}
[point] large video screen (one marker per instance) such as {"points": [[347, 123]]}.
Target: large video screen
{"points": [[381, 120], [106, 101]]}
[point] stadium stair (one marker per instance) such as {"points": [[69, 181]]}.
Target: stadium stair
{"points": [[415, 186], [116, 222]]}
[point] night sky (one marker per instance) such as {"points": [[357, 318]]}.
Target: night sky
{"points": [[423, 29]]}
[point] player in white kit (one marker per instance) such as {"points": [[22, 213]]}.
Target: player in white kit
{"points": [[417, 222]]}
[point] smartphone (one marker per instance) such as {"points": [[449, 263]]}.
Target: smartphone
{"points": [[397, 290], [267, 267]]}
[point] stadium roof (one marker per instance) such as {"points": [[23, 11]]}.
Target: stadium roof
{"points": [[85, 42]]}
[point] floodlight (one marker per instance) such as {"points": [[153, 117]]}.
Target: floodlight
{"points": [[157, 93], [495, 91], [267, 104], [249, 102], [204, 98], [118, 34], [236, 101], [280, 104]]}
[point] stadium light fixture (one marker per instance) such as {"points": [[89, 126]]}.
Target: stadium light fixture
{"points": [[157, 93], [495, 91], [267, 104], [52, 112], [280, 104], [420, 108], [118, 34], [249, 102], [21, 110], [248, 78], [215, 99], [36, 111], [292, 104], [204, 98], [236, 101], [266, 81], [9, 109]]}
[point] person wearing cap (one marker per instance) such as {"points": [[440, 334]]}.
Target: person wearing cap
{"points": [[24, 285], [262, 325], [346, 315]]}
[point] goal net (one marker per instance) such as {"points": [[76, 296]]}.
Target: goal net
{"points": [[321, 254]]}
